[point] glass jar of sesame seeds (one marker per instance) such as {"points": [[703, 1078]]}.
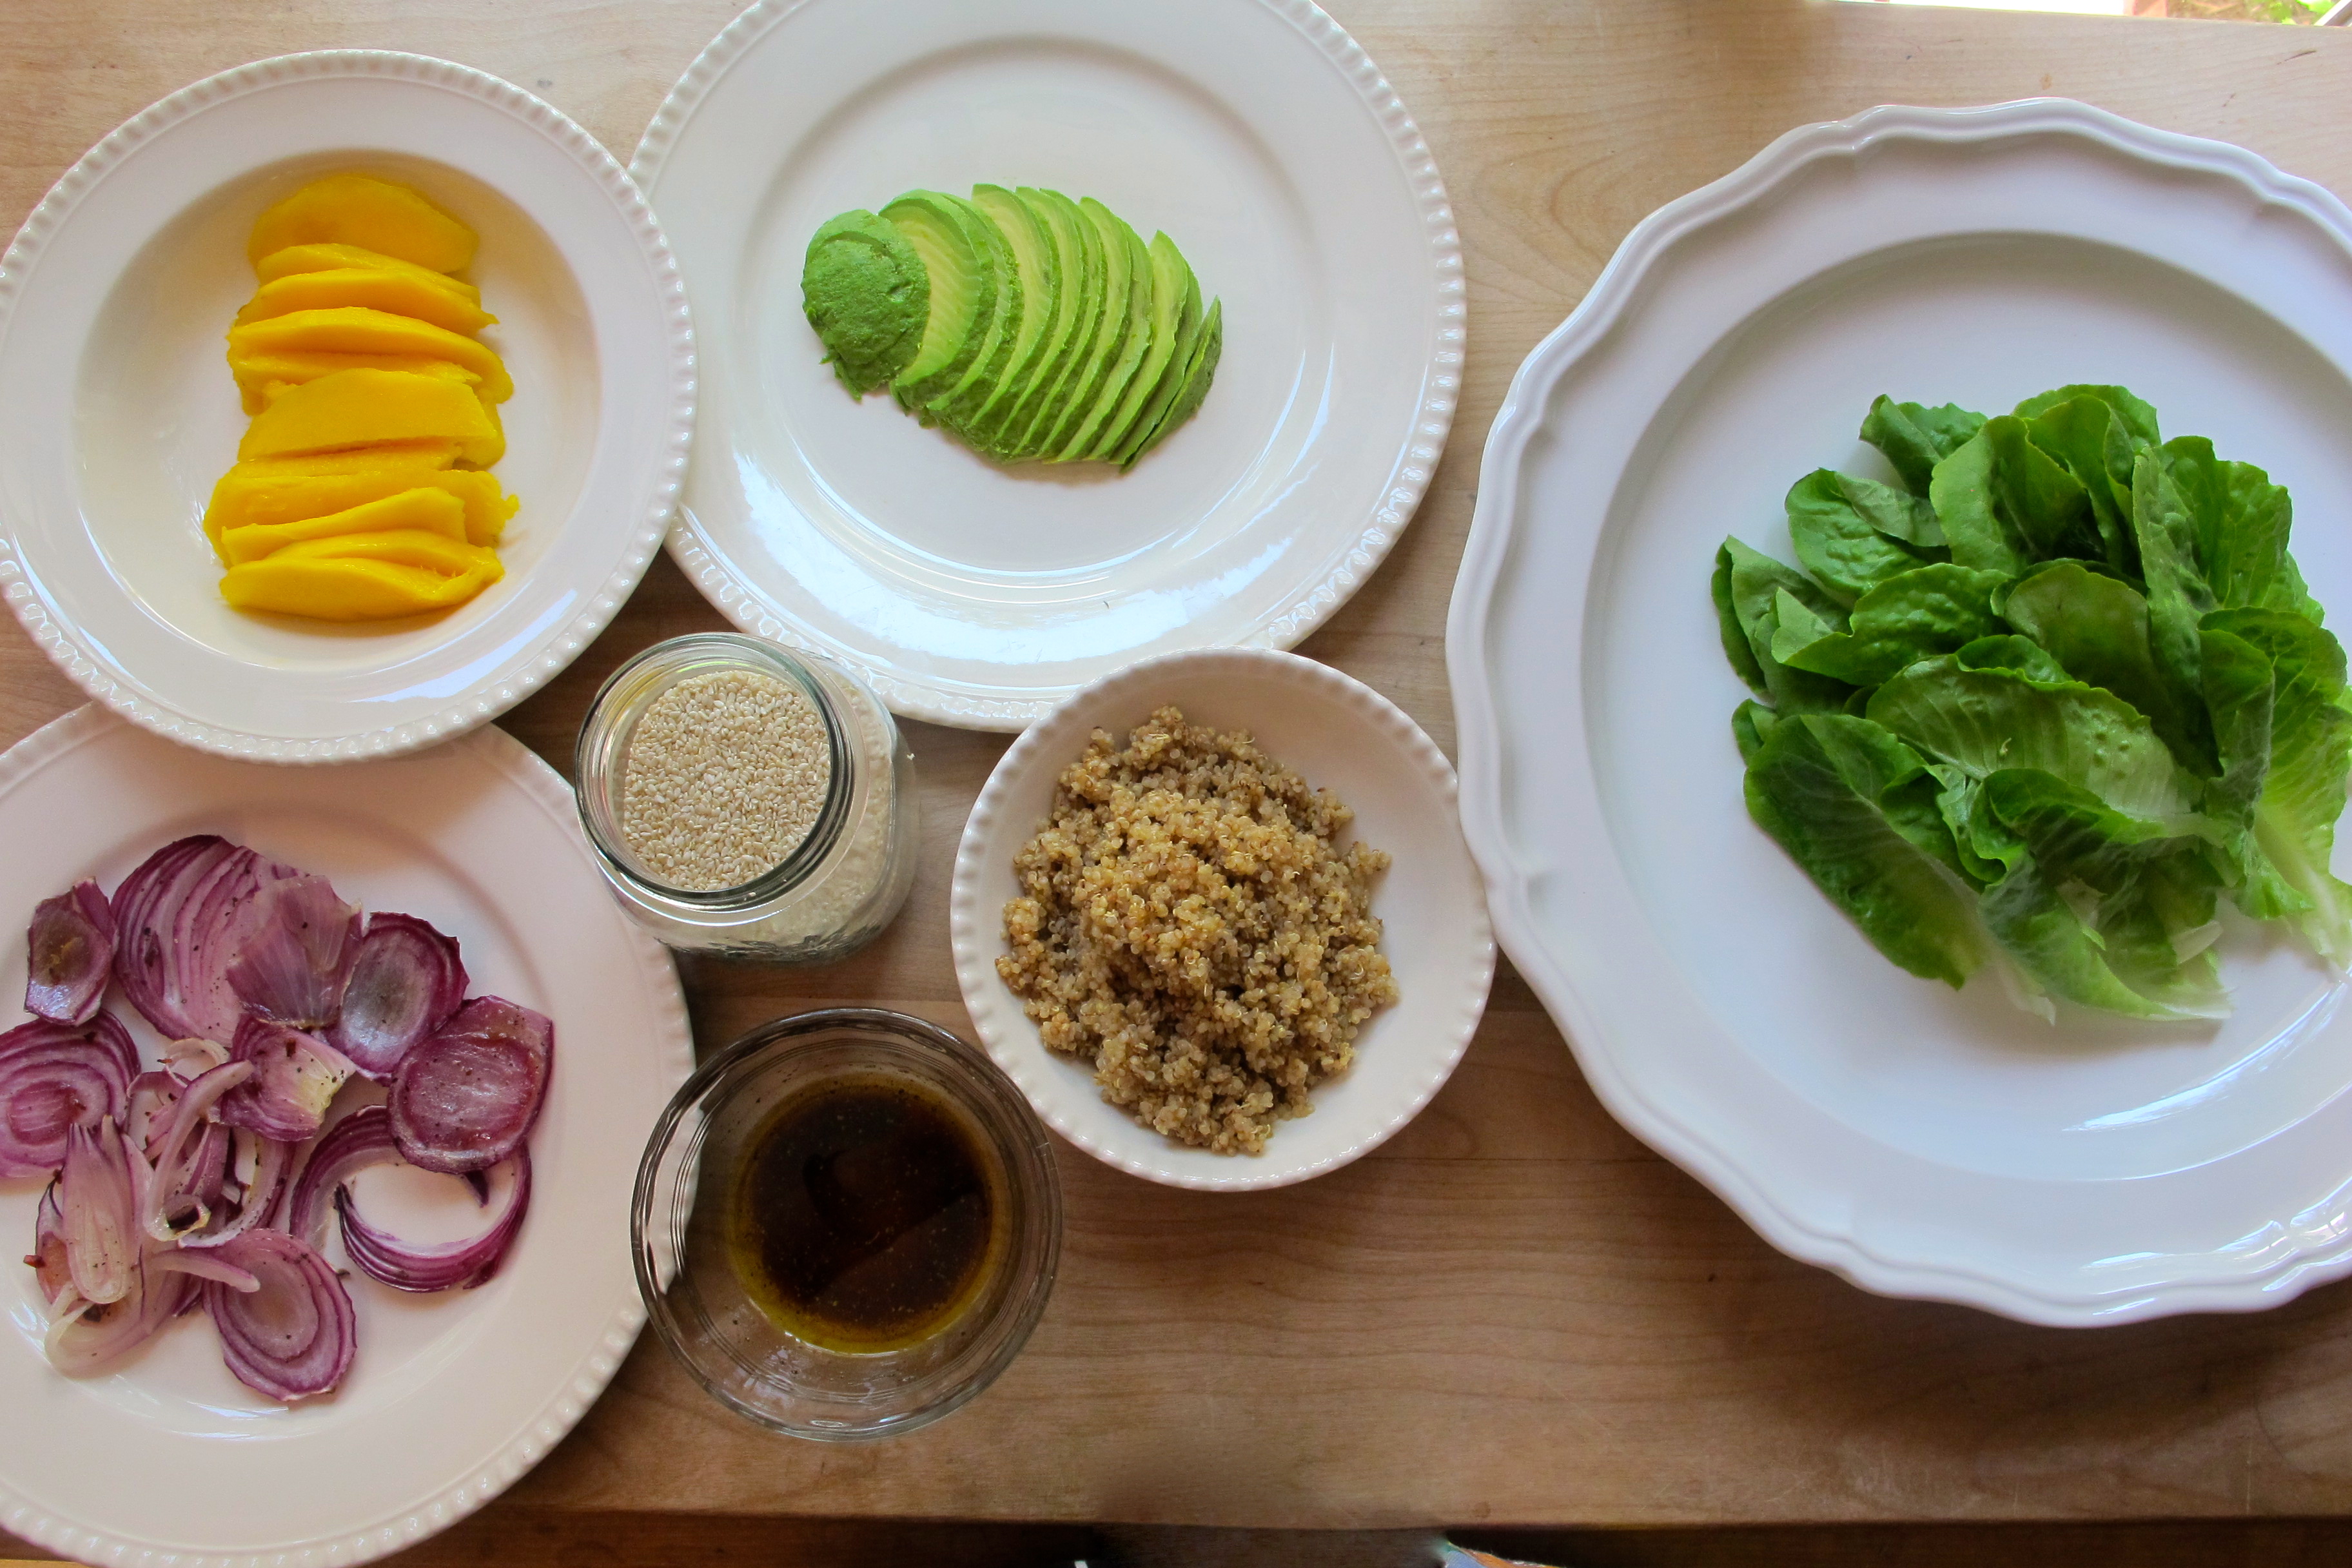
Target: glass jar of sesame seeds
{"points": [[748, 801]]}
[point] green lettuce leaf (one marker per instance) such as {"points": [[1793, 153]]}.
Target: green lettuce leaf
{"points": [[2097, 628], [2062, 954], [2006, 504], [1748, 585], [1853, 807], [1915, 615], [2096, 441], [1983, 720], [1854, 533], [2163, 522], [2138, 419], [2021, 654], [1915, 438]]}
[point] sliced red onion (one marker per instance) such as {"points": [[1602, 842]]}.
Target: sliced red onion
{"points": [[406, 981], [70, 955], [258, 1203], [54, 1078], [182, 921], [47, 1258], [293, 1337], [98, 1198], [295, 1077], [365, 1139], [83, 1337], [297, 950], [175, 1158], [149, 1109], [441, 1265], [466, 1098], [202, 1266]]}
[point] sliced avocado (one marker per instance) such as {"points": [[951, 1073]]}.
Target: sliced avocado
{"points": [[1038, 264], [1196, 381], [959, 259], [970, 391], [1080, 442], [1044, 403], [868, 296], [1175, 323], [1119, 317]]}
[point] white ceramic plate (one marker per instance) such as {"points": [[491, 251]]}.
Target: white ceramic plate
{"points": [[1337, 734], [451, 1397], [1257, 135], [120, 413], [1920, 1142]]}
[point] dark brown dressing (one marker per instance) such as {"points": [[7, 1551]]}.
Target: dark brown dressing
{"points": [[864, 1215]]}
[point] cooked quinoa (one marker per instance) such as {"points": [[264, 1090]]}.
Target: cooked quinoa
{"points": [[725, 775], [1188, 925]]}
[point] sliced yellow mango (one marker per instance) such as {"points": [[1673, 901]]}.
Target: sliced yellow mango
{"points": [[358, 330], [260, 378], [296, 258], [363, 577], [246, 499], [360, 209], [399, 293], [421, 457], [425, 509], [362, 407]]}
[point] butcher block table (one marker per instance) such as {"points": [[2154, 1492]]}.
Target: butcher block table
{"points": [[1513, 1312]]}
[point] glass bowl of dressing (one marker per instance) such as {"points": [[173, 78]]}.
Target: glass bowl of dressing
{"points": [[846, 1224]]}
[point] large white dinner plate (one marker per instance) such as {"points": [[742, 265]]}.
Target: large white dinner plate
{"points": [[1918, 1140], [121, 414], [165, 1456], [1257, 135]]}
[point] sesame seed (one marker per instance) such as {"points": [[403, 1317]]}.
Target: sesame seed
{"points": [[724, 777]]}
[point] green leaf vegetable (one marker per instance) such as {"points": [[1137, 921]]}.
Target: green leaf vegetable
{"points": [[2046, 701]]}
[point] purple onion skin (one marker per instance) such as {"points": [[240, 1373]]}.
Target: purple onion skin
{"points": [[184, 918], [296, 1076], [293, 1338], [405, 982], [97, 1336], [297, 950], [54, 1078], [426, 1267], [70, 955], [467, 1098]]}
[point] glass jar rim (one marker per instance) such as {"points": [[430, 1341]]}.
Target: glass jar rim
{"points": [[599, 761]]}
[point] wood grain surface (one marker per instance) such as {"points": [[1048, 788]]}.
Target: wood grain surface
{"points": [[1513, 1312]]}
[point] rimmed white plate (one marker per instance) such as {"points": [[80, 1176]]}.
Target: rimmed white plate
{"points": [[451, 1397], [1339, 734], [1919, 1141], [114, 301], [1257, 134]]}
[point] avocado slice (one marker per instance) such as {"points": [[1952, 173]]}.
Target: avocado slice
{"points": [[1175, 324], [1084, 438], [1188, 397], [959, 259], [971, 390], [868, 296], [1044, 402], [1038, 262], [1126, 310], [1078, 299]]}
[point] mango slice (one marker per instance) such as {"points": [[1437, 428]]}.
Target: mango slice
{"points": [[246, 499], [261, 377], [429, 510], [420, 456], [358, 330], [296, 258], [363, 577], [400, 293], [360, 209], [361, 408]]}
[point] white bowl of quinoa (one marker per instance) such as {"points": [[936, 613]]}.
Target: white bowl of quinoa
{"points": [[1216, 917]]}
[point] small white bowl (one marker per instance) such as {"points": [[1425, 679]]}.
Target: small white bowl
{"points": [[1339, 734]]}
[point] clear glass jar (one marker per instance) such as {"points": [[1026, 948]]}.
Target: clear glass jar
{"points": [[847, 878]]}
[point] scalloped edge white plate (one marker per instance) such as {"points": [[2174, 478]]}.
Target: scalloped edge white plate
{"points": [[240, 688], [164, 1459], [2247, 1225], [1337, 734], [952, 586]]}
